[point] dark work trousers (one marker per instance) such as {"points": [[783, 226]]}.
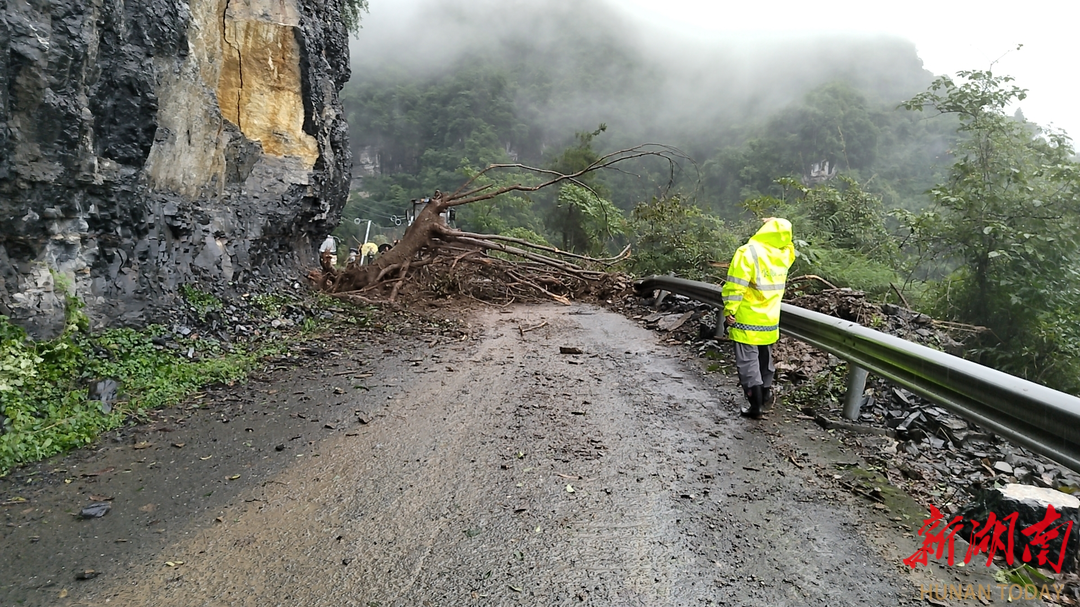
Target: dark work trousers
{"points": [[755, 365]]}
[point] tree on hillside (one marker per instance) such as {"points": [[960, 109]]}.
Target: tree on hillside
{"points": [[1008, 220], [350, 13], [840, 232], [672, 235], [581, 215], [872, 142]]}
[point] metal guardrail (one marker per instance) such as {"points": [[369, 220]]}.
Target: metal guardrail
{"points": [[1042, 419]]}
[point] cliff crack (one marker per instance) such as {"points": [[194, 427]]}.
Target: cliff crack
{"points": [[239, 65]]}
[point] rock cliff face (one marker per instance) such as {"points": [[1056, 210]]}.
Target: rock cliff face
{"points": [[145, 144]]}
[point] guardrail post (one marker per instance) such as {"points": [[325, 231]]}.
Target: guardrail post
{"points": [[660, 297], [720, 332], [856, 384]]}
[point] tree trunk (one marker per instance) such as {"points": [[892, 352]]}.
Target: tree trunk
{"points": [[417, 237]]}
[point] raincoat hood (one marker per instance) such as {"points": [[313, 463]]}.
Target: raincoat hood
{"points": [[775, 233]]}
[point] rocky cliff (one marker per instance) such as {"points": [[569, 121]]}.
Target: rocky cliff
{"points": [[145, 144]]}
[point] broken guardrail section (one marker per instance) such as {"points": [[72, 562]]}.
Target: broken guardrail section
{"points": [[1040, 418]]}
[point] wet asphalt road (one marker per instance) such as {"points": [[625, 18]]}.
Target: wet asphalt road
{"points": [[490, 471]]}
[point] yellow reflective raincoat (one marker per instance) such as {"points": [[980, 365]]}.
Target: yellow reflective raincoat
{"points": [[755, 284]]}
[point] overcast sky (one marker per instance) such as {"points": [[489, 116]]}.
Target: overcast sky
{"points": [[950, 35]]}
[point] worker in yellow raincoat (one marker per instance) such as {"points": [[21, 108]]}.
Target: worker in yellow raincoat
{"points": [[368, 253], [752, 293]]}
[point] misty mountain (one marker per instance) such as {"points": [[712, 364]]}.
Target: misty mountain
{"points": [[440, 82]]}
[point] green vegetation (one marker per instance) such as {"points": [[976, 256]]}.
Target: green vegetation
{"points": [[510, 95], [200, 301], [670, 235], [61, 394], [351, 11], [1003, 232], [45, 401], [841, 234], [821, 389], [503, 93], [270, 303]]}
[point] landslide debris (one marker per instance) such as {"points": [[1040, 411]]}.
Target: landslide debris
{"points": [[475, 275]]}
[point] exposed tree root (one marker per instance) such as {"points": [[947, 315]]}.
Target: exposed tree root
{"points": [[429, 244], [397, 285]]}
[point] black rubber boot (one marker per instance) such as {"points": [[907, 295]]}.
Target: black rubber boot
{"points": [[767, 396], [757, 398]]}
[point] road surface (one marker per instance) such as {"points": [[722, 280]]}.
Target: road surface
{"points": [[486, 471]]}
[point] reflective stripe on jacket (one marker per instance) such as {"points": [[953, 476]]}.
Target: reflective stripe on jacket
{"points": [[755, 284]]}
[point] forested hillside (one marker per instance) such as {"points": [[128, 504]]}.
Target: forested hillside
{"points": [[964, 210], [514, 83]]}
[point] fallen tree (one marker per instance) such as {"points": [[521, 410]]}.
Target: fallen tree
{"points": [[430, 243]]}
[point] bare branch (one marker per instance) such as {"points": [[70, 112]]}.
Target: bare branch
{"points": [[558, 298], [647, 150], [811, 277], [401, 281], [605, 261], [385, 271], [582, 274], [353, 297], [473, 191]]}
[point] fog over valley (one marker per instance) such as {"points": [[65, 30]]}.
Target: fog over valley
{"points": [[607, 67]]}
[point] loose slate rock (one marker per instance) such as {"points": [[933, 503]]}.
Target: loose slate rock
{"points": [[673, 321], [105, 392], [95, 510]]}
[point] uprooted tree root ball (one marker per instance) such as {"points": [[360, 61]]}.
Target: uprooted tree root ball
{"points": [[478, 276], [439, 253]]}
